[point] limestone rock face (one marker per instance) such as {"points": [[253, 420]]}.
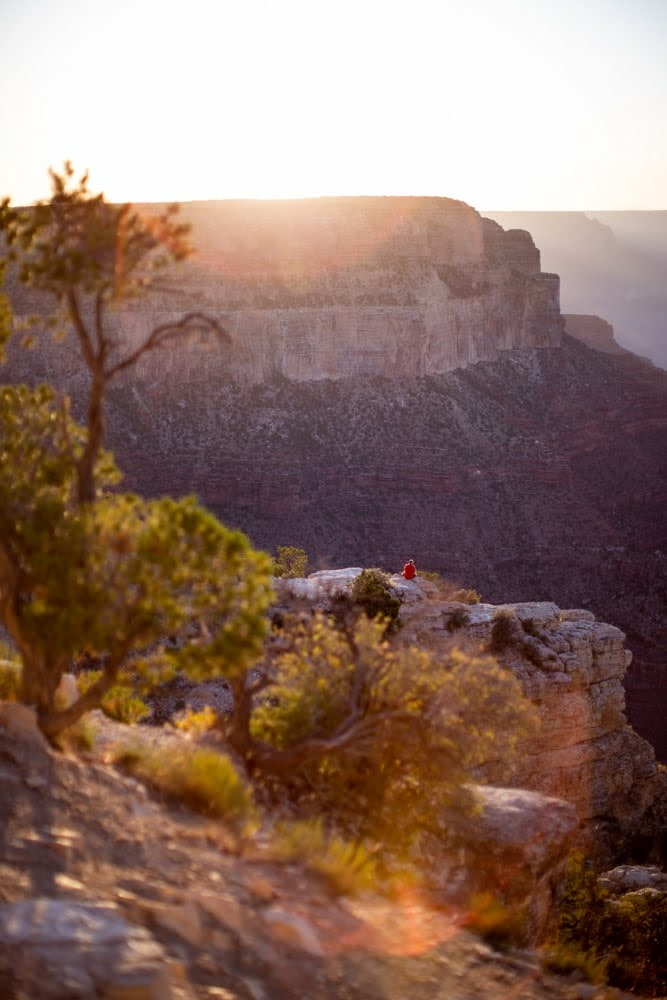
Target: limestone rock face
{"points": [[336, 287], [595, 332], [572, 667]]}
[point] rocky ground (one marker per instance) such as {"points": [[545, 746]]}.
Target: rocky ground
{"points": [[107, 892]]}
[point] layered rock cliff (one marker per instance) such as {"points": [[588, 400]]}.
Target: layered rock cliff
{"points": [[338, 287]]}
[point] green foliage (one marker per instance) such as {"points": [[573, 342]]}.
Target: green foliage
{"points": [[626, 935], [395, 731], [449, 591], [202, 779], [492, 920], [86, 256], [509, 632], [348, 866], [290, 562], [119, 703], [78, 738], [118, 576], [372, 593], [77, 240], [197, 722], [567, 959], [466, 596], [10, 676]]}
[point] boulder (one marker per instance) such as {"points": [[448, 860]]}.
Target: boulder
{"points": [[514, 845], [61, 950]]}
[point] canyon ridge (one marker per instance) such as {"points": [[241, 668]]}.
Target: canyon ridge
{"points": [[400, 381]]}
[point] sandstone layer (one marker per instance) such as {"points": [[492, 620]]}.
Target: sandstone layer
{"points": [[333, 287]]}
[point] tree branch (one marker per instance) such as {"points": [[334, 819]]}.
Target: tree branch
{"points": [[350, 734], [80, 327], [195, 322], [52, 723]]}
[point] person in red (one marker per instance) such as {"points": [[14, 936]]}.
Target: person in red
{"points": [[410, 570]]}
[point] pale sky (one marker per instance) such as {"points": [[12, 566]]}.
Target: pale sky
{"points": [[505, 104]]}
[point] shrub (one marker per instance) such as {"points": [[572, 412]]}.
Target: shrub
{"points": [[466, 596], [78, 738], [119, 703], [290, 562], [83, 568], [197, 722], [10, 674], [450, 591], [459, 618], [202, 779], [347, 865], [567, 959], [531, 627], [372, 593], [493, 921], [627, 934], [378, 738], [503, 632], [115, 576]]}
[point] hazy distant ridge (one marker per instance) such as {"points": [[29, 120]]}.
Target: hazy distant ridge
{"points": [[611, 264]]}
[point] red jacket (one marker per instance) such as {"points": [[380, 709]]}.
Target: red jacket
{"points": [[409, 570]]}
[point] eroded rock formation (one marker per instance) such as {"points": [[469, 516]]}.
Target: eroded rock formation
{"points": [[338, 287], [572, 667], [595, 332]]}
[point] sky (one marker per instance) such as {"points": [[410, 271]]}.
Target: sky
{"points": [[504, 104]]}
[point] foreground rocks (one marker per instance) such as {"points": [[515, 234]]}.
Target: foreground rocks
{"points": [[515, 847], [51, 948], [105, 892]]}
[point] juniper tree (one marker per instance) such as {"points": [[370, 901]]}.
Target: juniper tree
{"points": [[87, 257], [145, 586]]}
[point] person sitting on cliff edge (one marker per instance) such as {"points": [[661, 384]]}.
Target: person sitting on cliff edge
{"points": [[410, 570]]}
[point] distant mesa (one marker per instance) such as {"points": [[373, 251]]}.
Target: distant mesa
{"points": [[594, 332], [611, 264]]}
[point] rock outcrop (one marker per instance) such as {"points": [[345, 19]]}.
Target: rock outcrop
{"points": [[539, 473], [340, 287], [515, 847], [610, 263], [595, 332], [572, 668], [105, 892], [66, 950]]}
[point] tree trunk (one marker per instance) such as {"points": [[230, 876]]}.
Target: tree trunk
{"points": [[94, 441]]}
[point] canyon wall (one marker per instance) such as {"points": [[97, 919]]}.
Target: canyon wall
{"points": [[339, 287], [571, 667], [533, 469], [612, 264]]}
